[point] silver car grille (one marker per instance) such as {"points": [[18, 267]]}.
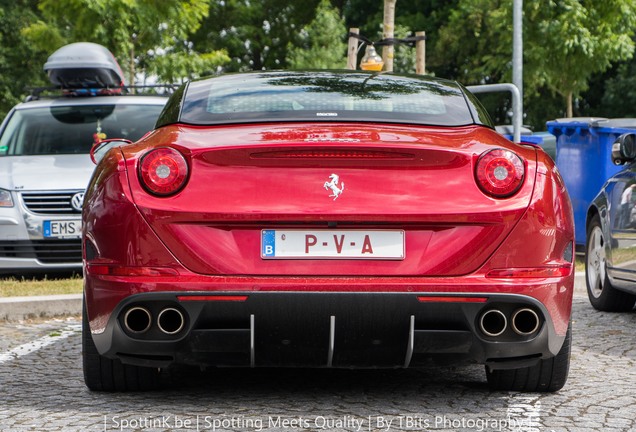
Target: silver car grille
{"points": [[50, 202], [57, 251]]}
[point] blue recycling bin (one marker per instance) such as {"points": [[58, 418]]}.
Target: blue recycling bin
{"points": [[546, 140], [543, 139], [584, 158]]}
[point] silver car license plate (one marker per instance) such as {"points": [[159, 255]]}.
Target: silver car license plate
{"points": [[62, 228]]}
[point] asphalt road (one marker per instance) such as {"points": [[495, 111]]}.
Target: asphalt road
{"points": [[41, 389]]}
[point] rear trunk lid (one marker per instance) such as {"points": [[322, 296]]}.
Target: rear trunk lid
{"points": [[341, 200]]}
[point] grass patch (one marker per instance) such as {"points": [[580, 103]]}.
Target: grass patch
{"points": [[38, 287], [579, 264]]}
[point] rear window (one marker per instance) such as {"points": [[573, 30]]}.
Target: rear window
{"points": [[73, 129], [322, 96]]}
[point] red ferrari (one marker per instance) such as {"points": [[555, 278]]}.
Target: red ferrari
{"points": [[327, 220]]}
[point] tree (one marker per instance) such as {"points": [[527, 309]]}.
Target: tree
{"points": [[322, 42], [565, 42], [619, 97], [20, 65], [256, 34], [146, 35]]}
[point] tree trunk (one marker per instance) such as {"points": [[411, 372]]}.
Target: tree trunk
{"points": [[131, 68], [568, 98], [352, 50], [388, 33], [420, 54]]}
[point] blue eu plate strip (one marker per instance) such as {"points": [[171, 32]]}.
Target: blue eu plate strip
{"points": [[268, 242], [47, 228]]}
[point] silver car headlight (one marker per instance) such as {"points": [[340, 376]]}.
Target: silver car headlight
{"points": [[5, 198]]}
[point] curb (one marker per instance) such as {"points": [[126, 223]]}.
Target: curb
{"points": [[21, 308], [580, 288]]}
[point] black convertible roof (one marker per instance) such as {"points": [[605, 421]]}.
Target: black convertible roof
{"points": [[319, 96]]}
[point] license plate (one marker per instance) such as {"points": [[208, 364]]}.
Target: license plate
{"points": [[62, 229], [332, 244]]}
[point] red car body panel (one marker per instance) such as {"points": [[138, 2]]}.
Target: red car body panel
{"points": [[222, 234], [215, 246]]}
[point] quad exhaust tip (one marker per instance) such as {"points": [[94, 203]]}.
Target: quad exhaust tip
{"points": [[525, 321], [170, 321], [137, 320], [493, 322]]}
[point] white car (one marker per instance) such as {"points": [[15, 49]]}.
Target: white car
{"points": [[45, 164], [45, 168]]}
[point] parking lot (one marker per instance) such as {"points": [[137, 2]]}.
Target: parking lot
{"points": [[42, 389]]}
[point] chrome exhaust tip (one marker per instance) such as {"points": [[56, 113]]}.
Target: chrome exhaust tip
{"points": [[170, 321], [493, 322], [525, 322], [137, 320]]}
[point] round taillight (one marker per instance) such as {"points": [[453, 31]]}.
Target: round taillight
{"points": [[499, 173], [163, 171]]}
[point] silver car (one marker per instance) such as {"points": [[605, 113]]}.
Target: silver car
{"points": [[45, 167]]}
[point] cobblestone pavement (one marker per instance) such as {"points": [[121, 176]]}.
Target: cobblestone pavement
{"points": [[41, 389]]}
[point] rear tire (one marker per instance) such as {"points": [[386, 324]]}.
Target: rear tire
{"points": [[603, 296], [104, 374], [548, 375]]}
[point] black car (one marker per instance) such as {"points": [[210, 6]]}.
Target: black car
{"points": [[610, 262]]}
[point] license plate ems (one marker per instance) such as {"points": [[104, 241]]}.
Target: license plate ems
{"points": [[62, 229], [332, 244]]}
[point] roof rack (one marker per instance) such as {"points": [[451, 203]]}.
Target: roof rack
{"points": [[53, 92]]}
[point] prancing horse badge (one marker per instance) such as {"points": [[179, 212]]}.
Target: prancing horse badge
{"points": [[333, 185]]}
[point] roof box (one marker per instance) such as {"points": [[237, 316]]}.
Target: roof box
{"points": [[84, 65]]}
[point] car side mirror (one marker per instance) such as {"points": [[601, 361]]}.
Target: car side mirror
{"points": [[624, 149], [99, 149]]}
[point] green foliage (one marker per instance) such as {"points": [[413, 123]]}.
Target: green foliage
{"points": [[477, 40], [322, 42], [20, 65], [619, 98], [43, 37], [565, 42], [583, 38], [571, 47], [140, 33], [175, 67], [255, 34], [612, 93]]}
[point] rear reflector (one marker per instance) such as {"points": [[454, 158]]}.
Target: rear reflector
{"points": [[205, 298], [539, 272], [451, 299], [111, 270]]}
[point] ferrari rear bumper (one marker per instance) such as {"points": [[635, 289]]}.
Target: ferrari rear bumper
{"points": [[328, 329]]}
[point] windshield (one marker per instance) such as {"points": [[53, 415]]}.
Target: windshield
{"points": [[73, 129], [320, 96]]}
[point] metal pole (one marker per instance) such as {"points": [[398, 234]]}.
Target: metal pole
{"points": [[516, 102], [517, 62]]}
